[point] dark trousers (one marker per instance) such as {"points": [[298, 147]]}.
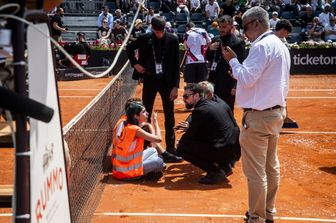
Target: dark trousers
{"points": [[204, 156], [152, 86]]}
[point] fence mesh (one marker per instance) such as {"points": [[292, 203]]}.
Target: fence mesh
{"points": [[89, 140]]}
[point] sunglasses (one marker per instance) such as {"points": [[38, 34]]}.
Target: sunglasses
{"points": [[186, 96], [245, 27], [104, 22]]}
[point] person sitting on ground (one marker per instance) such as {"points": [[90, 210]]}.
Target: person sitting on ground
{"points": [[166, 156], [119, 33], [211, 140], [130, 161], [104, 34], [282, 29]]}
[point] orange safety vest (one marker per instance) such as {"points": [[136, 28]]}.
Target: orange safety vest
{"points": [[127, 159]]}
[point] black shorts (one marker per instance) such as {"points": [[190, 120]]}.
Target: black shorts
{"points": [[196, 72]]}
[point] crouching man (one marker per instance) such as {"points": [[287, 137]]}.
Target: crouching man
{"points": [[211, 140]]}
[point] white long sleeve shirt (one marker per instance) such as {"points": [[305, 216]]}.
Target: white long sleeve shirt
{"points": [[263, 78]]}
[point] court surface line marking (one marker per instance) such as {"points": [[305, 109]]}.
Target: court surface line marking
{"points": [[79, 96], [306, 132], [79, 89], [313, 97], [206, 215], [307, 89]]}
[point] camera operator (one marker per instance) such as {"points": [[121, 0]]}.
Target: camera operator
{"points": [[220, 71]]}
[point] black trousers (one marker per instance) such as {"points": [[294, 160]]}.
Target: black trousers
{"points": [[202, 155], [152, 86]]}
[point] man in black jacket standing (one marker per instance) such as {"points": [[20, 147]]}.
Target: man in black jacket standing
{"points": [[220, 71], [158, 65], [211, 140]]}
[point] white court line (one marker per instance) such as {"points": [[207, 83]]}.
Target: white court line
{"points": [[78, 89], [313, 97], [80, 96], [207, 215], [307, 89], [306, 132]]}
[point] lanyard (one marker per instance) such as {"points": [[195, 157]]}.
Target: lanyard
{"points": [[162, 51]]}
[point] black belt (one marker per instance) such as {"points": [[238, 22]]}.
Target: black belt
{"points": [[267, 109]]}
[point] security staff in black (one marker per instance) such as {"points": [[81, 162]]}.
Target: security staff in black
{"points": [[220, 71], [158, 65]]}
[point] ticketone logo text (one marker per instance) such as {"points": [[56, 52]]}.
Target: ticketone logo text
{"points": [[314, 60]]}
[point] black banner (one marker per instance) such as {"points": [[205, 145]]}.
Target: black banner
{"points": [[313, 61]]}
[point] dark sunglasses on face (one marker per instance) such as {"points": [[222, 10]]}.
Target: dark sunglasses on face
{"points": [[186, 96], [245, 27]]}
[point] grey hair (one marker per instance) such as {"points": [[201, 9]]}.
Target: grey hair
{"points": [[207, 87], [257, 13]]}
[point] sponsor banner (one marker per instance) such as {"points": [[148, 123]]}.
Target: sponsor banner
{"points": [[49, 192], [313, 61]]}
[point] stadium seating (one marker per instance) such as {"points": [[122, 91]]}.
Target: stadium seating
{"points": [[86, 24], [181, 19], [197, 19]]}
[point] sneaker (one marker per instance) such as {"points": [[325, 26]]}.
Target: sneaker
{"points": [[172, 151], [171, 158], [213, 177]]}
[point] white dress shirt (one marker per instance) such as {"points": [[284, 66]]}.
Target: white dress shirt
{"points": [[263, 78]]}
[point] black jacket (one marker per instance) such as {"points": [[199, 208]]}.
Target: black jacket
{"points": [[210, 124], [144, 44], [223, 81]]}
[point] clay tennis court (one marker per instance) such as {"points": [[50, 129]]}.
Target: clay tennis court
{"points": [[307, 155]]}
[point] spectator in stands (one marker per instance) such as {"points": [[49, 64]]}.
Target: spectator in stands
{"points": [[325, 15], [227, 8], [315, 30], [130, 160], [123, 5], [158, 64], [213, 29], [119, 33], [120, 16], [211, 140], [169, 28], [137, 30], [80, 51], [307, 18], [104, 34], [220, 71], [282, 29], [57, 26], [196, 41], [149, 16], [238, 18], [211, 11], [330, 30], [182, 7], [274, 20], [105, 14], [195, 6]]}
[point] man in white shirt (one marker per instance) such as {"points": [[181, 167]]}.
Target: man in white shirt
{"points": [[196, 41], [325, 15], [212, 10], [330, 30], [105, 14], [274, 20], [262, 87]]}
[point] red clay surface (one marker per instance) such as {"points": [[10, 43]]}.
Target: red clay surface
{"points": [[307, 156]]}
